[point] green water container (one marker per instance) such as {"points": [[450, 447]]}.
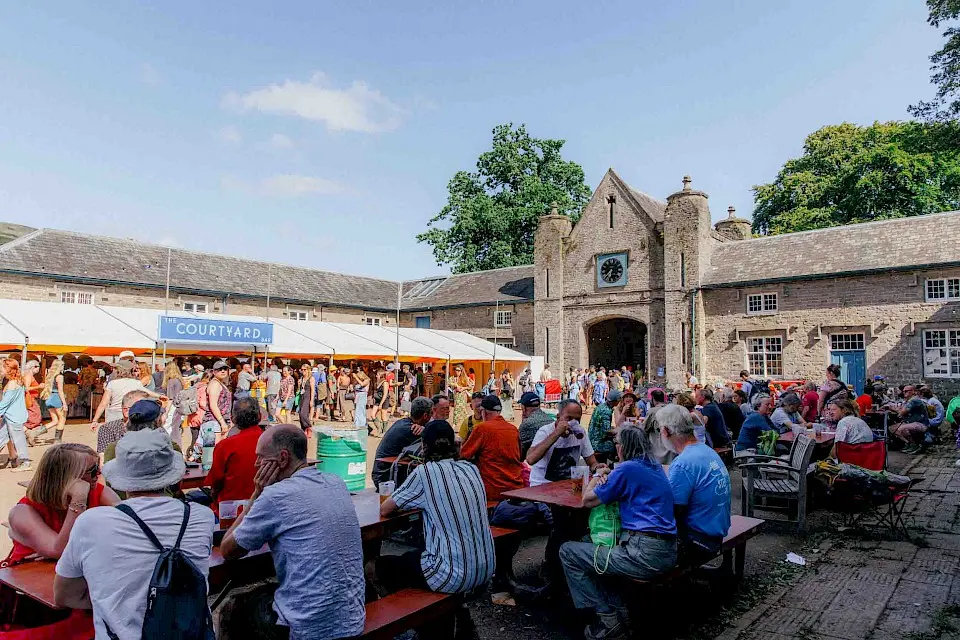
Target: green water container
{"points": [[344, 458]]}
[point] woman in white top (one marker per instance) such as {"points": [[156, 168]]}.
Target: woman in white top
{"points": [[123, 382]]}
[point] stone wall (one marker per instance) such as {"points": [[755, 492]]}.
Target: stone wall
{"points": [[478, 320], [889, 309]]}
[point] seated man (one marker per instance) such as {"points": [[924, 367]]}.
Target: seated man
{"points": [[304, 515], [558, 446], [701, 488], [109, 560], [234, 457], [494, 447], [787, 415], [914, 420], [441, 407], [716, 425], [472, 420], [757, 422], [459, 553], [110, 432], [401, 434], [648, 542], [532, 418]]}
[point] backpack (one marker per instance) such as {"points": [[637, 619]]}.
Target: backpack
{"points": [[177, 596], [203, 403], [759, 387], [187, 402]]}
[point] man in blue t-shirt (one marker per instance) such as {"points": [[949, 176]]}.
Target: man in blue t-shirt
{"points": [[648, 542], [716, 425], [757, 422], [701, 488]]}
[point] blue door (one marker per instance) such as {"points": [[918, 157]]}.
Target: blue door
{"points": [[422, 322], [853, 367]]}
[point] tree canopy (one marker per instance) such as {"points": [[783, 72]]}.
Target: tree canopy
{"points": [[849, 174], [945, 104], [492, 212]]}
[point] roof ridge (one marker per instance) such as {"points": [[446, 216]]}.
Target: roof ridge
{"points": [[857, 225], [199, 253]]}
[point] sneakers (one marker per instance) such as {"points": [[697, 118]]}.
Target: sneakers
{"points": [[912, 449], [609, 626], [24, 466]]}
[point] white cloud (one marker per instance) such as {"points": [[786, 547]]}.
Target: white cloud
{"points": [[285, 185], [150, 76], [230, 135], [354, 108], [280, 141]]}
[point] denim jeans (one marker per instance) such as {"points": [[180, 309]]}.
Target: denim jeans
{"points": [[637, 556], [360, 414], [13, 431]]}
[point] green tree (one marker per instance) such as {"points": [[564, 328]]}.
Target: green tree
{"points": [[491, 214], [849, 174], [945, 66]]}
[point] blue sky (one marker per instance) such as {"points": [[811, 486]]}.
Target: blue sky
{"points": [[324, 134]]}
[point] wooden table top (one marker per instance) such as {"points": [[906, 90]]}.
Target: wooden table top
{"points": [[194, 477], [825, 437], [558, 494], [35, 579]]}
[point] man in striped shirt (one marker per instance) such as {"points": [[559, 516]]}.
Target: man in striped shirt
{"points": [[459, 553]]}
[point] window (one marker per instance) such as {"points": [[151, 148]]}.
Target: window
{"points": [[943, 289], [76, 296], [503, 319], [422, 322], [298, 315], [547, 271], [546, 331], [760, 303], [765, 356], [503, 342], [195, 307], [846, 342], [941, 353], [373, 322]]}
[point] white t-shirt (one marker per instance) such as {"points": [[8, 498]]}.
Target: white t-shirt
{"points": [[109, 550], [118, 388], [560, 458]]}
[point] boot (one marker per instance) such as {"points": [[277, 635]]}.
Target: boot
{"points": [[58, 436], [31, 437], [609, 626]]}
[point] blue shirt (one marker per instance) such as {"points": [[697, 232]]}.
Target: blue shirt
{"points": [[750, 431], [700, 482], [13, 407], [313, 531], [644, 494], [716, 425]]}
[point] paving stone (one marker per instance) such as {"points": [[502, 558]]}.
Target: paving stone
{"points": [[814, 594], [854, 612], [875, 576], [912, 607], [943, 541], [786, 620]]}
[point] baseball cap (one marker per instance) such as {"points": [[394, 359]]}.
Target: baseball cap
{"points": [[220, 364], [144, 411], [530, 399], [478, 394], [198, 367], [126, 354], [437, 430], [614, 395], [491, 403]]}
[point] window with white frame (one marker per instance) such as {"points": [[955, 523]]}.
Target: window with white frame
{"points": [[504, 342], [503, 319], [76, 296], [943, 289], [374, 322], [941, 353], [846, 342], [196, 307], [765, 356], [760, 303], [297, 314]]}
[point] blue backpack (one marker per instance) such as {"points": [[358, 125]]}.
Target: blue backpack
{"points": [[177, 597]]}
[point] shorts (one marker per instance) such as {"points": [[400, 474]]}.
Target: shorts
{"points": [[54, 402], [288, 404], [216, 426]]}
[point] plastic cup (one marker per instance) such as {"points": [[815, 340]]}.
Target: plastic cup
{"points": [[386, 490], [579, 475]]}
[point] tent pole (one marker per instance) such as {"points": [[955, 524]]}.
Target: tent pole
{"points": [[164, 349], [447, 378], [153, 360], [23, 355]]}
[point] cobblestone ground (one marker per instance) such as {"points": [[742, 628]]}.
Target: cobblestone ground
{"points": [[873, 587]]}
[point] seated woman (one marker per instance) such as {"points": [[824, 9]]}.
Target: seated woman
{"points": [[686, 401], [64, 486], [626, 410], [850, 428], [756, 423], [787, 415], [648, 542]]}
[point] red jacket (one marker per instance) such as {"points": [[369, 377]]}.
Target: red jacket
{"points": [[234, 458]]}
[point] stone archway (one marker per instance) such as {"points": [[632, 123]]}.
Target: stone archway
{"points": [[616, 342]]}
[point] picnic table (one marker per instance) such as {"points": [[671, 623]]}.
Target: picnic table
{"points": [[556, 494], [825, 438], [35, 579], [194, 477]]}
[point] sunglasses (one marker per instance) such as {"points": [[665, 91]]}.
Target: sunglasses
{"points": [[93, 472]]}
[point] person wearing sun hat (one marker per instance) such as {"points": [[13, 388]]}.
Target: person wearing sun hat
{"points": [[109, 560]]}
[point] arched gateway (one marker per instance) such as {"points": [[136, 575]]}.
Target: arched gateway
{"points": [[616, 342]]}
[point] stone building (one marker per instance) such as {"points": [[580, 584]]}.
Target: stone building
{"points": [[656, 285], [74, 268]]}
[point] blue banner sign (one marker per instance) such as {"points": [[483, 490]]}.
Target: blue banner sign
{"points": [[177, 329]]}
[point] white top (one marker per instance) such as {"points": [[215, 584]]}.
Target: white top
{"points": [[560, 458], [109, 550], [119, 387], [853, 430]]}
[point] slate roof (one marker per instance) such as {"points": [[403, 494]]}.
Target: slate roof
{"points": [[870, 247], [79, 257], [508, 285], [654, 207], [99, 259]]}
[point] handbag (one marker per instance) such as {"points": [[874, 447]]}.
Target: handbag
{"points": [[349, 395], [604, 532]]}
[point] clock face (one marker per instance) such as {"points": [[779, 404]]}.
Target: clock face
{"points": [[611, 270]]}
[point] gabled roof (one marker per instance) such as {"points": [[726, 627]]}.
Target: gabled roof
{"points": [[872, 247], [508, 285], [654, 208], [101, 259]]}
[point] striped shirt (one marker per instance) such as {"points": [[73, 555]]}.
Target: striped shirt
{"points": [[459, 551]]}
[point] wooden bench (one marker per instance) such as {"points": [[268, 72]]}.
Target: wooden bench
{"points": [[741, 530], [411, 608], [725, 453]]}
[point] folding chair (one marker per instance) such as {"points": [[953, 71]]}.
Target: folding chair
{"points": [[859, 504], [869, 455]]}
